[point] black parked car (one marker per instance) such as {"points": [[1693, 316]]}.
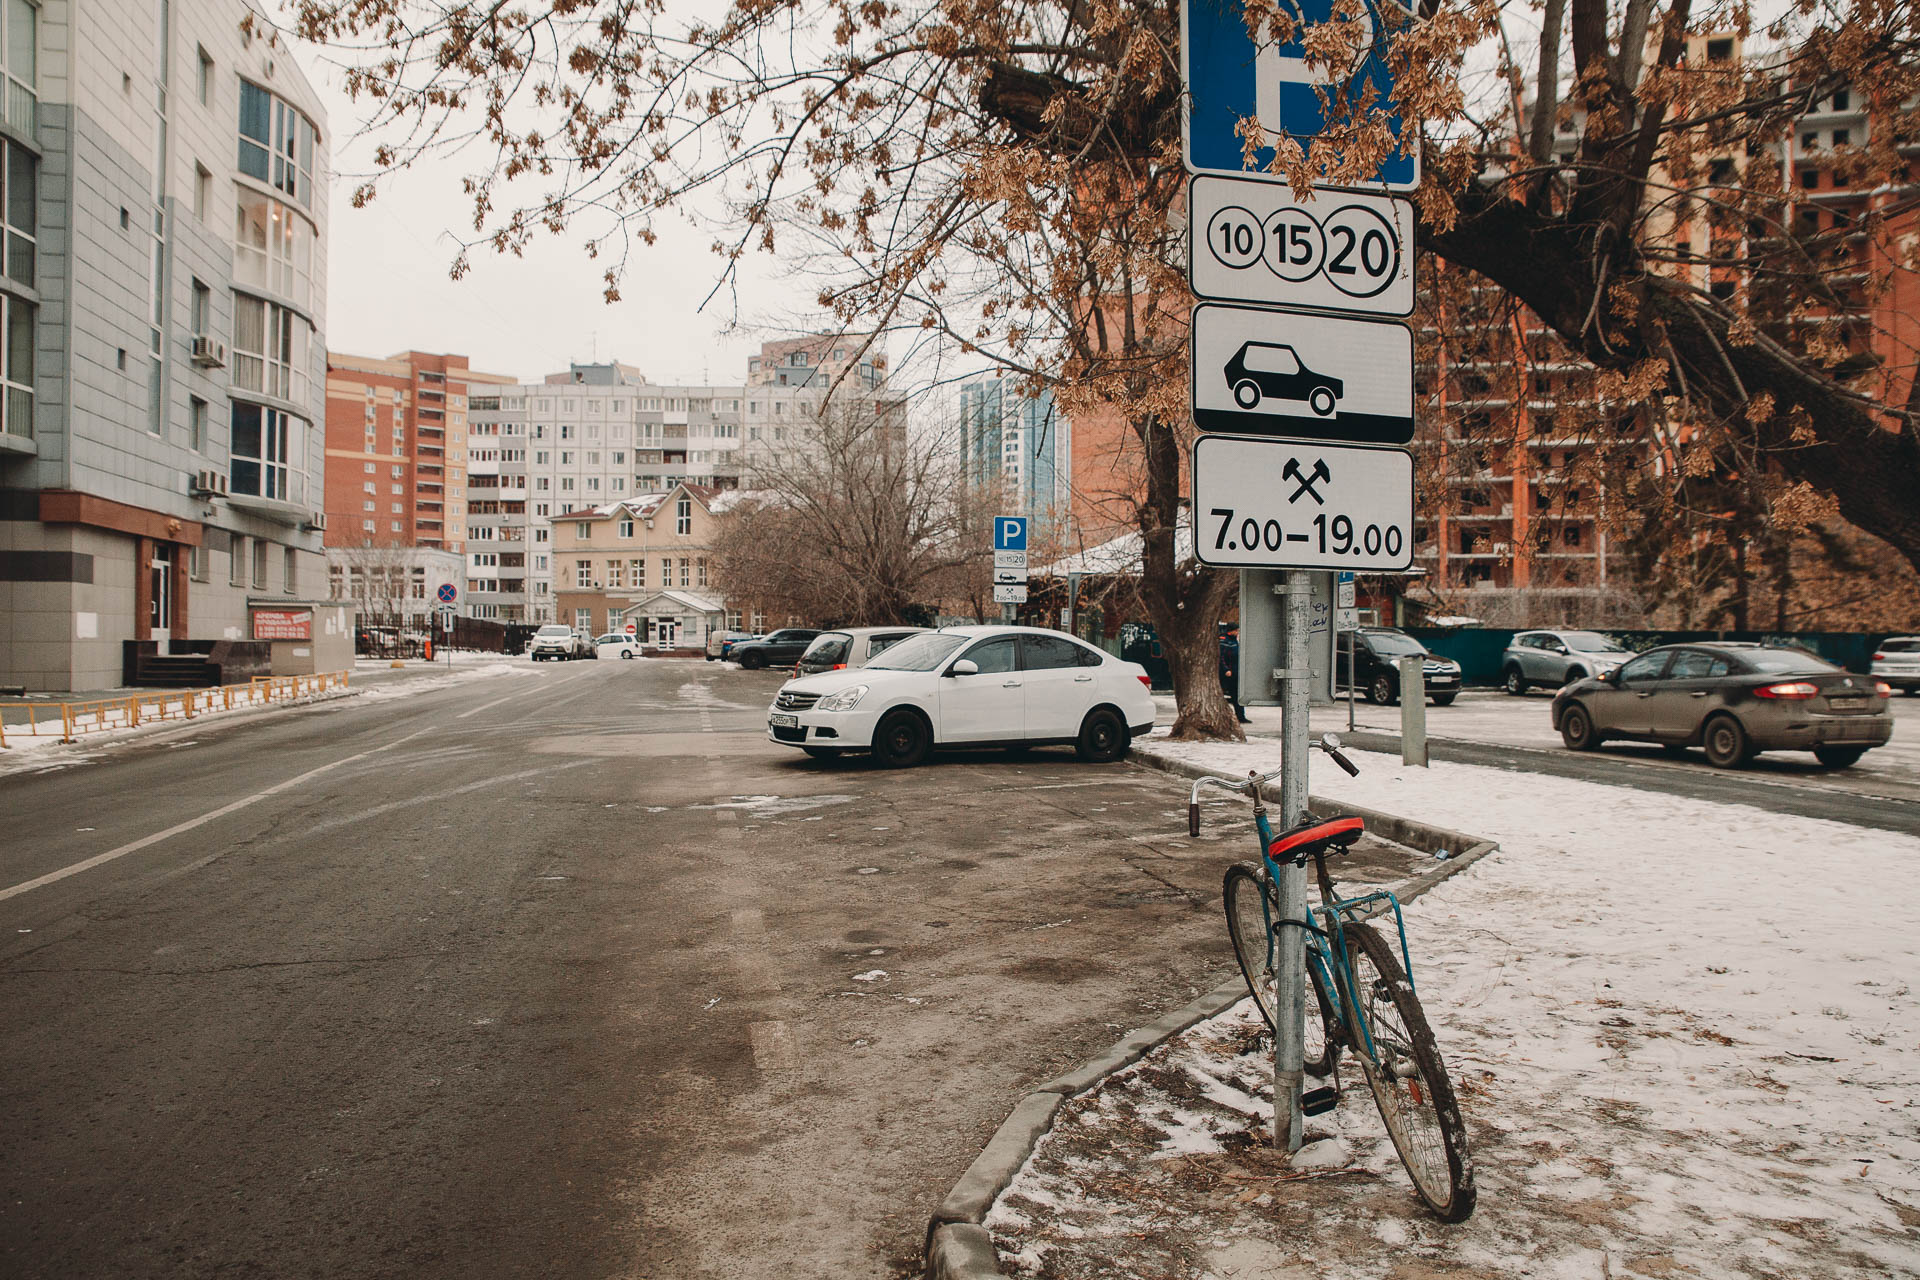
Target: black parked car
{"points": [[1376, 665], [781, 648]]}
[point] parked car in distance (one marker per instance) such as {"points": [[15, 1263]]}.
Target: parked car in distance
{"points": [[850, 647], [1734, 699], [616, 644], [1376, 666], [1554, 658], [555, 642], [777, 649], [1897, 661], [718, 642], [969, 687]]}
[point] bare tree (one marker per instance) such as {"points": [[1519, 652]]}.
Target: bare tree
{"points": [[852, 522], [1006, 175]]}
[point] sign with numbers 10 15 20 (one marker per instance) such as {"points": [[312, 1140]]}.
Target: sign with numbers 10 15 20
{"points": [[1340, 251]]}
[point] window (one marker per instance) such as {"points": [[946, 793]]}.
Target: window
{"points": [[200, 312], [1697, 664], [203, 83], [639, 568], [626, 527], [1719, 50], [16, 371], [276, 143], [613, 573], [260, 564], [583, 530], [20, 178], [683, 519], [18, 44], [269, 348], [1646, 667], [264, 442], [1049, 653], [685, 576], [994, 656], [583, 573], [666, 572], [1842, 137], [273, 248], [287, 573], [1842, 101], [700, 571]]}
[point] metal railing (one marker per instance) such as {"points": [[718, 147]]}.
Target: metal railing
{"points": [[97, 715]]}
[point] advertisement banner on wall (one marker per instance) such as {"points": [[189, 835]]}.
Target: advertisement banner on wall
{"points": [[283, 624]]}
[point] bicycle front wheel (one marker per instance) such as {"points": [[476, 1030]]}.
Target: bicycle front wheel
{"points": [[1247, 888], [1408, 1079]]}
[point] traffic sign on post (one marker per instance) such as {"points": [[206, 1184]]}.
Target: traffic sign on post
{"points": [[1010, 595], [1009, 533], [1343, 251], [448, 593], [1336, 507], [1229, 79], [1260, 371]]}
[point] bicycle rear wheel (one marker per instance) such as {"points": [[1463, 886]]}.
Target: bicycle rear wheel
{"points": [[1408, 1079], [1246, 888]]}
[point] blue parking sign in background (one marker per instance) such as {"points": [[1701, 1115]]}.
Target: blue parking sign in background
{"points": [[1010, 533], [1230, 79]]}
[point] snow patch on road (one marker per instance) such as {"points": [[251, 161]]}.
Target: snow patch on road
{"points": [[775, 806]]}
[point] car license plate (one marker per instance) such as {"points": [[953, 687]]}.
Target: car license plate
{"points": [[784, 722], [1846, 704]]}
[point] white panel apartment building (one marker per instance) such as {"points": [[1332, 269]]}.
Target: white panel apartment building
{"points": [[601, 433], [162, 301]]}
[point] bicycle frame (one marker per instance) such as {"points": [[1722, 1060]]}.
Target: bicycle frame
{"points": [[1327, 946]]}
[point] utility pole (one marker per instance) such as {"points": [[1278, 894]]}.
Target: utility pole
{"points": [[1290, 977]]}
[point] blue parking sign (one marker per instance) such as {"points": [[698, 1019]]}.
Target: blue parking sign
{"points": [[1010, 533], [1229, 79]]}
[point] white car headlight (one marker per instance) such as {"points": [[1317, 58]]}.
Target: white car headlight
{"points": [[845, 700]]}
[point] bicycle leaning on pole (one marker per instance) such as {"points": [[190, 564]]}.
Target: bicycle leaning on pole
{"points": [[1364, 994]]}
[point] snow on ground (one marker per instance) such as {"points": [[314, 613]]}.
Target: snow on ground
{"points": [[1684, 1035]]}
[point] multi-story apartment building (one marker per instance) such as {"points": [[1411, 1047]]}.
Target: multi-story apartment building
{"points": [[646, 560], [397, 451], [1017, 444], [597, 434], [162, 306]]}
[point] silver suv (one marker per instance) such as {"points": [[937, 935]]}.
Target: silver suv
{"points": [[1897, 661], [555, 642], [1555, 658]]}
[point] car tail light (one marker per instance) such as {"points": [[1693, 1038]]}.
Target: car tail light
{"points": [[838, 666], [1879, 657], [1794, 689], [1145, 680], [1881, 689]]}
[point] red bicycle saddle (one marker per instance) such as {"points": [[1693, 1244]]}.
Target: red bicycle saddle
{"points": [[1316, 836]]}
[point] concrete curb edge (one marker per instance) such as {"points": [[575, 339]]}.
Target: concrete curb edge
{"points": [[958, 1247]]}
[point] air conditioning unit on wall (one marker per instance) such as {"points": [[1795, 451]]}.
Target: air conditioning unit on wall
{"points": [[208, 482], [209, 354], [317, 521]]}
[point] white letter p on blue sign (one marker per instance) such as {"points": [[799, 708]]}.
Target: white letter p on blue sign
{"points": [[1010, 533]]}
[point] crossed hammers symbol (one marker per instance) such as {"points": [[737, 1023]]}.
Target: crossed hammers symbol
{"points": [[1306, 482]]}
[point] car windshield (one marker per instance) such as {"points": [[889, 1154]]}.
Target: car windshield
{"points": [[1794, 662], [1394, 642], [921, 653], [829, 646], [556, 630], [1590, 642]]}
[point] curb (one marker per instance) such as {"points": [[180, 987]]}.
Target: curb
{"points": [[958, 1247]]}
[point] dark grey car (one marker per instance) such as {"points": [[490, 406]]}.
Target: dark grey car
{"points": [[1734, 700]]}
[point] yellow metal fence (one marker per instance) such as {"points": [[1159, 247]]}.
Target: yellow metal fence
{"points": [[71, 719]]}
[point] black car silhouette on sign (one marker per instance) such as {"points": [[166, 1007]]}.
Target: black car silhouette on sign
{"points": [[1272, 370]]}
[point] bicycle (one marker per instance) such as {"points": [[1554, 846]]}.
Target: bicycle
{"points": [[1365, 995]]}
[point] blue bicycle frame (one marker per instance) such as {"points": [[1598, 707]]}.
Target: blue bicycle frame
{"points": [[1327, 946]]}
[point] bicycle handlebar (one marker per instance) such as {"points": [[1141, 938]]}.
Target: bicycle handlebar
{"points": [[1327, 742]]}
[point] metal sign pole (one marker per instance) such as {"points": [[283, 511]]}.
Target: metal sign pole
{"points": [[1290, 979]]}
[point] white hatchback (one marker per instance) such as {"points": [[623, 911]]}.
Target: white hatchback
{"points": [[969, 687]]}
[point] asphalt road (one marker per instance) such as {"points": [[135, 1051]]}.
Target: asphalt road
{"points": [[564, 973]]}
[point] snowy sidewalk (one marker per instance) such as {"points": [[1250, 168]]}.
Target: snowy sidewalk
{"points": [[1683, 1033]]}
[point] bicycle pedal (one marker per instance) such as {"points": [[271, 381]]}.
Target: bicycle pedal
{"points": [[1316, 1102]]}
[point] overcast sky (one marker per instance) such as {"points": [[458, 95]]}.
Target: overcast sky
{"points": [[388, 289]]}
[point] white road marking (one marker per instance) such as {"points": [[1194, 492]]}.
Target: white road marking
{"points": [[100, 859]]}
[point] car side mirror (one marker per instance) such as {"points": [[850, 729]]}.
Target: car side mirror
{"points": [[1559, 648], [964, 667]]}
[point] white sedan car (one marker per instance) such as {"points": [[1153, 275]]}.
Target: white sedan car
{"points": [[969, 687]]}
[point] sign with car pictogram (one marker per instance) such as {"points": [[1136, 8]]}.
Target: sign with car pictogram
{"points": [[1263, 372], [1336, 507], [1252, 241]]}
